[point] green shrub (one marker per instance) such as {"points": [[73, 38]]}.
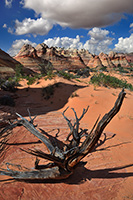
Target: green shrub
{"points": [[111, 81], [50, 75], [103, 68], [47, 92], [84, 72], [49, 67], [19, 70], [130, 69], [46, 69], [121, 69], [30, 80], [94, 69], [66, 75]]}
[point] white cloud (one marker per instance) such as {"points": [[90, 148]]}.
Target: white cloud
{"points": [[17, 45], [124, 45], [4, 25], [10, 30], [99, 41], [131, 25], [98, 34], [8, 3], [36, 27], [81, 13], [65, 42]]}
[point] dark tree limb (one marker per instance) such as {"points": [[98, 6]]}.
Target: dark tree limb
{"points": [[30, 127], [91, 140]]}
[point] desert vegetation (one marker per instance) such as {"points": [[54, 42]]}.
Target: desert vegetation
{"points": [[123, 70], [100, 79]]}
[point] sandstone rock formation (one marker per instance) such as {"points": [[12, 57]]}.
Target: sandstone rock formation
{"points": [[28, 58], [27, 50], [60, 59], [85, 55], [118, 59], [76, 60], [72, 59], [7, 64], [112, 60], [106, 61], [41, 49], [129, 57], [95, 62]]}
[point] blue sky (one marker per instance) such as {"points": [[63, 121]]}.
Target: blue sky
{"points": [[96, 25]]}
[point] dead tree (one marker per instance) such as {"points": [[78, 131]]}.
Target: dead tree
{"points": [[62, 161]]}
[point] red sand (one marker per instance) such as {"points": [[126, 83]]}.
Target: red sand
{"points": [[105, 174]]}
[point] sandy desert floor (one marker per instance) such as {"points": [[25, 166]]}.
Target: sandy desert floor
{"points": [[105, 174]]}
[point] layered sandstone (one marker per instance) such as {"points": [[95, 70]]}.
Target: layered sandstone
{"points": [[28, 58], [85, 55], [106, 61], [118, 59], [62, 58], [129, 57], [95, 62], [33, 57], [7, 64]]}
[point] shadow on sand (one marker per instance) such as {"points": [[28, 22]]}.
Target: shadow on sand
{"points": [[82, 174], [41, 100]]}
